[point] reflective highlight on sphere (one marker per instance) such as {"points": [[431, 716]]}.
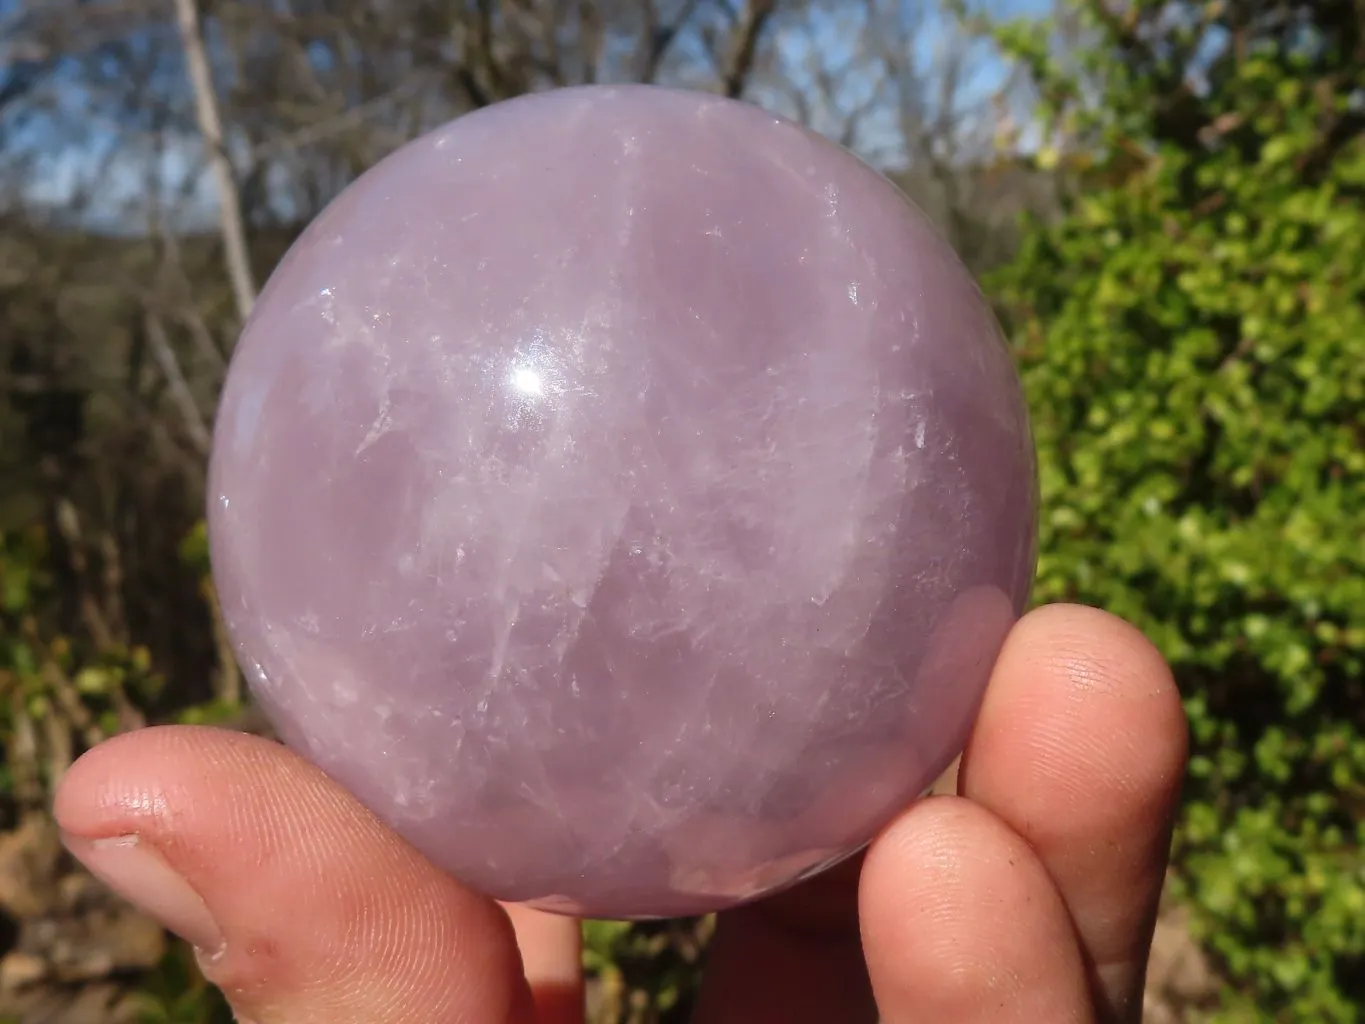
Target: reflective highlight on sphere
{"points": [[625, 494]]}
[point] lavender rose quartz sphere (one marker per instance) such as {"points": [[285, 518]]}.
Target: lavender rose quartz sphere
{"points": [[625, 494]]}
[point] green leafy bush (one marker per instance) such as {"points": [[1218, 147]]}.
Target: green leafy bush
{"points": [[67, 682], [1192, 336]]}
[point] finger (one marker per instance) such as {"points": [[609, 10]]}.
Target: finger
{"points": [[304, 908], [551, 957], [1080, 747], [961, 923]]}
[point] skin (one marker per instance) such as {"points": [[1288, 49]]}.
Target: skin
{"points": [[1029, 896]]}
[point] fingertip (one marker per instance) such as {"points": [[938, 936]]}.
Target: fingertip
{"points": [[961, 922], [1079, 699], [115, 784], [1071, 635], [1101, 648]]}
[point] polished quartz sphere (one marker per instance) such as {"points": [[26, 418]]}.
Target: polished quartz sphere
{"points": [[625, 493]]}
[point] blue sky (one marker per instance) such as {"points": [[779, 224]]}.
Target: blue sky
{"points": [[127, 166]]}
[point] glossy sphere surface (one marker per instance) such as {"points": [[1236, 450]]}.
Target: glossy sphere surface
{"points": [[625, 494]]}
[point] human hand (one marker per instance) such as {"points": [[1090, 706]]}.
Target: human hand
{"points": [[1030, 897]]}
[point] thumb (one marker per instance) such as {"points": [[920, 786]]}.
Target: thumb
{"points": [[304, 909]]}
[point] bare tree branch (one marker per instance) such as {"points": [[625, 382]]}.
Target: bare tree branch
{"points": [[230, 219], [745, 45], [659, 37], [195, 425]]}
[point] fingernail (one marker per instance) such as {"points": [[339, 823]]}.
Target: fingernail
{"points": [[138, 873]]}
